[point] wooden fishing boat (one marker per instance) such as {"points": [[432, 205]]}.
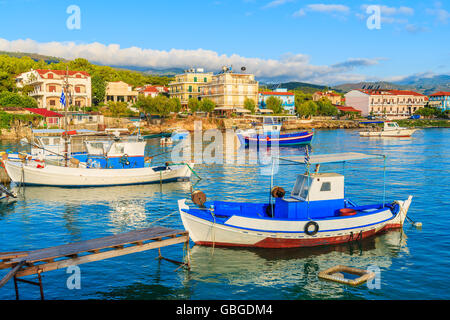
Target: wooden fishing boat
{"points": [[107, 163], [315, 213], [35, 173], [269, 134]]}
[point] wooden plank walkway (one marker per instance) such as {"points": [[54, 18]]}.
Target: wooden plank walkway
{"points": [[57, 257]]}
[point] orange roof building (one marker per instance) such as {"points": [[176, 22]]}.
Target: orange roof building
{"points": [[48, 85]]}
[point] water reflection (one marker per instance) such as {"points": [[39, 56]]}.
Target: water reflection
{"points": [[287, 267]]}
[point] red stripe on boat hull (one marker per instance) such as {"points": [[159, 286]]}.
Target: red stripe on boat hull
{"points": [[296, 243]]}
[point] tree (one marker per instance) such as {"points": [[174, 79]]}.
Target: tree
{"points": [[176, 104], [249, 104], [326, 108], [98, 84], [193, 105], [207, 105], [307, 109], [12, 99], [117, 108], [275, 104]]}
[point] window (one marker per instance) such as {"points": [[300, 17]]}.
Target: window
{"points": [[190, 89], [77, 89], [50, 76], [326, 186], [205, 80], [52, 88], [195, 79], [52, 102]]}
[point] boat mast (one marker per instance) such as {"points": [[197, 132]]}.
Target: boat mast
{"points": [[66, 136]]}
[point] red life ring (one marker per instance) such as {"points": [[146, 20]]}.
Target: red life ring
{"points": [[347, 212]]}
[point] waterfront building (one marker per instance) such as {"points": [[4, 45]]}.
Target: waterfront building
{"points": [[287, 98], [330, 95], [396, 103], [120, 91], [48, 84], [152, 91], [188, 85], [229, 90], [440, 100], [50, 118]]}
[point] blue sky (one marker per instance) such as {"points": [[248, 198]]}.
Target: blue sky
{"points": [[320, 41]]}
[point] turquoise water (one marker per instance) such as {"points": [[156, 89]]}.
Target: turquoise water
{"points": [[413, 263]]}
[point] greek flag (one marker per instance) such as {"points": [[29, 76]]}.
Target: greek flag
{"points": [[63, 98]]}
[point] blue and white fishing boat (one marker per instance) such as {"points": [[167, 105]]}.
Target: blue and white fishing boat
{"points": [[317, 212], [270, 134], [49, 144], [107, 163]]}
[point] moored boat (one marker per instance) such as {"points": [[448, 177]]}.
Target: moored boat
{"points": [[390, 129], [269, 133], [30, 173], [315, 213]]}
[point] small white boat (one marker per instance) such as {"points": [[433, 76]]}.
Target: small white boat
{"points": [[315, 213], [39, 173], [390, 129]]}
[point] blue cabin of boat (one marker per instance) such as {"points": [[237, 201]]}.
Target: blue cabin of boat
{"points": [[314, 196]]}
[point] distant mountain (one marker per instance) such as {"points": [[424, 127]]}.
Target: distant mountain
{"points": [[303, 86], [424, 85], [428, 85], [346, 87], [34, 56]]}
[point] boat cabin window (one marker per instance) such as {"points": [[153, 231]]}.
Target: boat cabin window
{"points": [[301, 188], [56, 141], [392, 125], [326, 186], [45, 141]]}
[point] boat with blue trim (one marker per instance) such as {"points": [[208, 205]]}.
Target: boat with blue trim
{"points": [[315, 213], [107, 163], [269, 133]]}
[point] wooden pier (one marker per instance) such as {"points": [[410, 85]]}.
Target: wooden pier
{"points": [[58, 257]]}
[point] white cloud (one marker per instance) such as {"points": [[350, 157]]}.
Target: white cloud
{"points": [[276, 3], [392, 11], [441, 15], [299, 13], [329, 8], [287, 67]]}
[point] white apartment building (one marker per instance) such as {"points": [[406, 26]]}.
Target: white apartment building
{"points": [[48, 85], [397, 103]]}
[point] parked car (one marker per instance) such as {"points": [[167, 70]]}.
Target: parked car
{"points": [[415, 116]]}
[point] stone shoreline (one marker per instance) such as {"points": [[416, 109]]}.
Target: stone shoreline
{"points": [[171, 124]]}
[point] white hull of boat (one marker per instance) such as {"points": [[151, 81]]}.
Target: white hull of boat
{"points": [[391, 133], [270, 233], [81, 177]]}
